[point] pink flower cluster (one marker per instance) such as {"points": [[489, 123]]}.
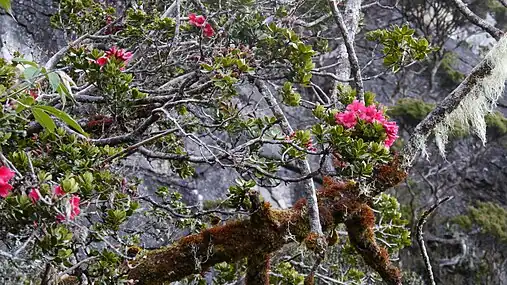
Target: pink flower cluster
{"points": [[5, 175], [119, 54], [200, 22], [72, 209], [358, 111]]}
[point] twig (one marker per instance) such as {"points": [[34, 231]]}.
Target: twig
{"points": [[9, 164], [420, 238], [134, 147], [51, 63], [70, 269]]}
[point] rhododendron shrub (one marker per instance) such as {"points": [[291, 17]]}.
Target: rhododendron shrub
{"points": [[215, 88]]}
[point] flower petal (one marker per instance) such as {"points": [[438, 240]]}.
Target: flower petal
{"points": [[5, 189]]}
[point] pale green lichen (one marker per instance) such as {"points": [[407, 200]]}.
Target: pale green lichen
{"points": [[480, 101]]}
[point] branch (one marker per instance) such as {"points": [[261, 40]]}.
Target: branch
{"points": [[303, 164], [349, 44], [420, 238], [476, 20], [51, 63], [423, 130], [128, 137], [268, 230]]}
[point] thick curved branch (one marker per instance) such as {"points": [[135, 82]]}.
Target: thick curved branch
{"points": [[424, 129], [268, 230]]}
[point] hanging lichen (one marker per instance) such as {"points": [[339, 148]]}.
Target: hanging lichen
{"points": [[480, 101]]}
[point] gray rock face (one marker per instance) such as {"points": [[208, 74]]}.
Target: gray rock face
{"points": [[31, 32]]}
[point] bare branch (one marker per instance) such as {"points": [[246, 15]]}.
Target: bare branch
{"points": [[420, 238]]}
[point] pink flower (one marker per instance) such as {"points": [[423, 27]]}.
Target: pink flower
{"points": [[195, 20], [101, 61], [34, 195], [5, 175], [120, 54], [357, 110], [59, 191], [34, 93], [370, 114], [208, 30], [127, 56], [356, 106], [74, 203], [346, 119], [392, 133]]}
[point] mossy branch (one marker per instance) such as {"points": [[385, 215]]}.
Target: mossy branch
{"points": [[268, 230]]}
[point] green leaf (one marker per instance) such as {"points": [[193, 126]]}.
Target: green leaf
{"points": [[6, 5], [64, 117], [66, 84], [44, 119], [24, 61], [30, 72], [54, 80]]}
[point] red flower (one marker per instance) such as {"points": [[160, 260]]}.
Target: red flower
{"points": [[102, 61], [208, 30], [5, 175], [60, 218], [310, 147], [59, 191], [120, 54], [34, 195], [74, 203], [34, 93], [5, 189], [195, 20]]}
